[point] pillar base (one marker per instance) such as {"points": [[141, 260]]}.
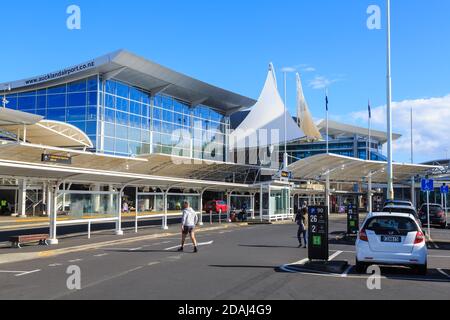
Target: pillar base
{"points": [[201, 224], [165, 228], [53, 242], [22, 216], [119, 232]]}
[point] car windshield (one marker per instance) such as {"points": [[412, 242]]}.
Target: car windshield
{"points": [[433, 209], [391, 226]]}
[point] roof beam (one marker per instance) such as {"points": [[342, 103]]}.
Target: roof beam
{"points": [[160, 89], [198, 102]]}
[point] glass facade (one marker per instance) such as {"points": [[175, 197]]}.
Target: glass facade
{"points": [[74, 103], [126, 121], [136, 123], [355, 147]]}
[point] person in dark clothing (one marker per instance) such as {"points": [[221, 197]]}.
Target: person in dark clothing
{"points": [[300, 219]]}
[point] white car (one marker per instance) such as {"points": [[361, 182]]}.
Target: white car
{"points": [[391, 239]]}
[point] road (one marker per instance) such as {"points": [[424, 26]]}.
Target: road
{"points": [[239, 263]]}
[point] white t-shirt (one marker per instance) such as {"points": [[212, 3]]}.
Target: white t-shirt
{"points": [[190, 218]]}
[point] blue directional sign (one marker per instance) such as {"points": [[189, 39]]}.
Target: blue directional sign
{"points": [[444, 189], [427, 185]]}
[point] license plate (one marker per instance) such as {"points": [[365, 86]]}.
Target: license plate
{"points": [[391, 239]]}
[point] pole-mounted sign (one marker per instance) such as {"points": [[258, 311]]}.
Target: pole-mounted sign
{"points": [[318, 248], [352, 219]]}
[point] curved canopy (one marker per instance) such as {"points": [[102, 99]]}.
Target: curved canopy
{"points": [[305, 119], [51, 133], [14, 117], [265, 124]]}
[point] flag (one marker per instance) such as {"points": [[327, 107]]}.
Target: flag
{"points": [[326, 102], [370, 111]]}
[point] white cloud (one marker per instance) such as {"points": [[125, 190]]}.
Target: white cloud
{"points": [[431, 125], [309, 69], [321, 82], [288, 69]]}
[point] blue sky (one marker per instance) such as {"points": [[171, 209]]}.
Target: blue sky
{"points": [[230, 43]]}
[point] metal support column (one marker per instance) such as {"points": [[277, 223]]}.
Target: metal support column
{"points": [[53, 212]]}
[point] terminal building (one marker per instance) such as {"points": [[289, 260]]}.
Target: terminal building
{"points": [[78, 144]]}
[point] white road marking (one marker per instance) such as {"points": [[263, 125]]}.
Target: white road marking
{"points": [[55, 265], [27, 273], [136, 249], [101, 255], [346, 272], [154, 263], [4, 271], [301, 262], [335, 255], [75, 260], [443, 273], [190, 245]]}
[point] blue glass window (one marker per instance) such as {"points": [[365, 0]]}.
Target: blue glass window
{"points": [[110, 101], [56, 101], [42, 112], [12, 103], [110, 115], [121, 146], [157, 113], [92, 84], [123, 90], [122, 104], [27, 94], [41, 102], [57, 89], [122, 118], [135, 94], [76, 114], [76, 99], [134, 134], [111, 87], [92, 113], [27, 103], [77, 86], [92, 98], [42, 92], [91, 127], [135, 121], [135, 107], [167, 116], [110, 130], [167, 103], [122, 132], [57, 114], [109, 145]]}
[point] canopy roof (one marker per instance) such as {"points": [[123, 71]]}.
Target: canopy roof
{"points": [[152, 77], [304, 116], [341, 129], [267, 119], [14, 117], [50, 133], [345, 169]]}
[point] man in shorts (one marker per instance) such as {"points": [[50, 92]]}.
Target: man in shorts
{"points": [[189, 221]]}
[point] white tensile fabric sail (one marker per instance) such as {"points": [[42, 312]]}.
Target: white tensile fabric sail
{"points": [[265, 124], [305, 119]]}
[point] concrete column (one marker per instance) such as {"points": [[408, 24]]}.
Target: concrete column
{"points": [[369, 194], [22, 198], [413, 192], [229, 207], [327, 194], [164, 224], [261, 202], [119, 231], [111, 200], [201, 208], [53, 212], [97, 199], [253, 206]]}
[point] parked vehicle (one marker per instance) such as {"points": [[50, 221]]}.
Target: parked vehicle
{"points": [[403, 209], [391, 239], [437, 215], [399, 203], [217, 206]]}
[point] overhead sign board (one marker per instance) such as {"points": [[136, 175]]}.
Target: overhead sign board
{"points": [[318, 247], [445, 189], [52, 158]]}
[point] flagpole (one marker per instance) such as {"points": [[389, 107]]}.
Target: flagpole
{"points": [[390, 169], [370, 133], [413, 181], [285, 122], [328, 123]]}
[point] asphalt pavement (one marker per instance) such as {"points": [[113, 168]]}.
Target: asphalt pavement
{"points": [[234, 263]]}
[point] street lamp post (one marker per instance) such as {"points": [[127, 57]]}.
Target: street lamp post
{"points": [[390, 170]]}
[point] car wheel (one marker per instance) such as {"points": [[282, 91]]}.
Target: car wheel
{"points": [[444, 226], [421, 270], [361, 267]]}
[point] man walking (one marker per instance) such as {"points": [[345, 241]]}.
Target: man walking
{"points": [[189, 221], [301, 222]]}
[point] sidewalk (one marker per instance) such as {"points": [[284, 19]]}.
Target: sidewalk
{"points": [[79, 243]]}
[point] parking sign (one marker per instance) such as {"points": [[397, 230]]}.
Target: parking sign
{"points": [[427, 185], [444, 189]]}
